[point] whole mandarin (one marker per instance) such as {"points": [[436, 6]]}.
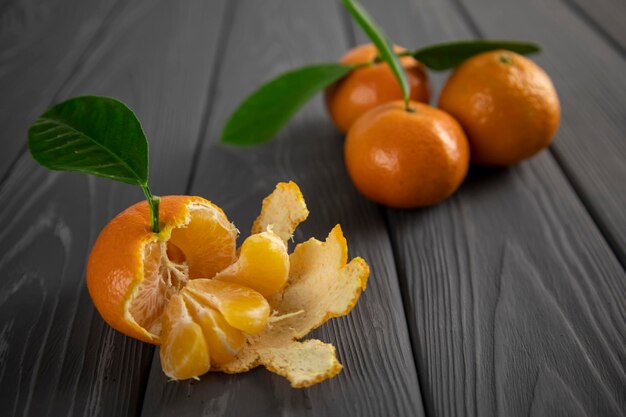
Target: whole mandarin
{"points": [[406, 159], [367, 87], [506, 104]]}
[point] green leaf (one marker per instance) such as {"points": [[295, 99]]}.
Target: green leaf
{"points": [[448, 55], [95, 135], [380, 40], [268, 109]]}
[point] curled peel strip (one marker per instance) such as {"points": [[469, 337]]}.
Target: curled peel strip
{"points": [[321, 285]]}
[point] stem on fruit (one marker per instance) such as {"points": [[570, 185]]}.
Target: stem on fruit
{"points": [[153, 202], [378, 59], [406, 97], [361, 65]]}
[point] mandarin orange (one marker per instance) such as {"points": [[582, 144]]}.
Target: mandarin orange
{"points": [[506, 104], [130, 275], [185, 289], [406, 159], [367, 87]]}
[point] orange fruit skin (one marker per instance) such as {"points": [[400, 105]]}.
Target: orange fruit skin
{"points": [[114, 265], [406, 159], [368, 87], [507, 105]]}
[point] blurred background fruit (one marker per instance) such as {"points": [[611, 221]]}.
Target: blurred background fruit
{"points": [[367, 87], [506, 104], [406, 159]]}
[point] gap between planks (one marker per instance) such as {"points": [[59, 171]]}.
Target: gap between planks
{"points": [[351, 38], [577, 189], [596, 26], [222, 40], [96, 39]]}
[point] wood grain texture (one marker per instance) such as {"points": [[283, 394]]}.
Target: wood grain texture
{"points": [[510, 294], [606, 17], [503, 297], [516, 303], [57, 357], [379, 376], [590, 145], [588, 74], [37, 57]]}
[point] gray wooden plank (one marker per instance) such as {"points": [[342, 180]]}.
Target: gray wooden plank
{"points": [[588, 74], [379, 376], [57, 357], [516, 303], [30, 33], [605, 16]]}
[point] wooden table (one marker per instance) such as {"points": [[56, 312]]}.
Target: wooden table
{"points": [[508, 299]]}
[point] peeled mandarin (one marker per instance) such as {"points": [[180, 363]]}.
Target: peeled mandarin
{"points": [[132, 272]]}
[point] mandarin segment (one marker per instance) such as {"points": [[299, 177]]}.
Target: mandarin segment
{"points": [[223, 340], [321, 286], [202, 326], [263, 264], [184, 352], [242, 307], [207, 241]]}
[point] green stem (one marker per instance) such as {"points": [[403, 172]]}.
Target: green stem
{"points": [[361, 65], [406, 98], [378, 59], [153, 202]]}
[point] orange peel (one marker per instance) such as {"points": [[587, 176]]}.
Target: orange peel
{"points": [[186, 289], [282, 211], [322, 285]]}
